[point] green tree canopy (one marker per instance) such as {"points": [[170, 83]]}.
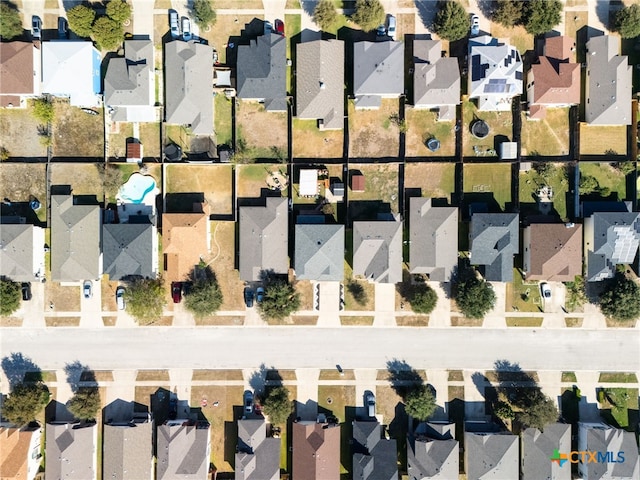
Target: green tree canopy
{"points": [[588, 184], [325, 14], [621, 299], [10, 297], [280, 300], [541, 411], [108, 33], [203, 14], [423, 299], [81, 19], [508, 12], [24, 402], [627, 21], [10, 21], [369, 14], [118, 10], [420, 403], [42, 109], [503, 410], [277, 405], [205, 297], [475, 297], [144, 299], [542, 15], [452, 21], [84, 405]]}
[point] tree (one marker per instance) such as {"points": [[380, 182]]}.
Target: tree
{"points": [[358, 292], [541, 411], [452, 21], [84, 405], [24, 402], [542, 15], [118, 10], [423, 299], [43, 110], [111, 177], [503, 410], [205, 297], [621, 299], [10, 21], [203, 14], [277, 405], [508, 12], [588, 184], [475, 297], [419, 403], [144, 299], [107, 33], [625, 167], [369, 14], [627, 21], [9, 297], [280, 300], [325, 14], [81, 19], [576, 295]]}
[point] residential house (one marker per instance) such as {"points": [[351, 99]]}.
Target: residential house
{"points": [[378, 72], [75, 240], [264, 239], [319, 252], [491, 455], [257, 455], [128, 449], [539, 446], [377, 251], [495, 73], [494, 241], [130, 83], [600, 437], [436, 79], [188, 83], [71, 451], [320, 83], [315, 450], [552, 251], [183, 450], [608, 88], [72, 69], [20, 73], [554, 81], [433, 452], [261, 72], [21, 250], [374, 457], [433, 244], [611, 238], [186, 240], [130, 249], [20, 455]]}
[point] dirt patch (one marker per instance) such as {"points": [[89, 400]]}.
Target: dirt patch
{"points": [[222, 263], [305, 289], [20, 181], [220, 320], [423, 125], [109, 321], [227, 26], [554, 128], [262, 134], [64, 299], [150, 138], [600, 140], [108, 294], [381, 191], [19, 133], [203, 375], [76, 133], [435, 180], [84, 178], [334, 374], [63, 321], [214, 181], [413, 321], [148, 375], [311, 142], [10, 322], [466, 322], [372, 133], [253, 178]]}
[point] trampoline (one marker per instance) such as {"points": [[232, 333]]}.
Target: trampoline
{"points": [[479, 129], [433, 144]]}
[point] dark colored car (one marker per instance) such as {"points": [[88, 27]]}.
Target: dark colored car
{"points": [[279, 26], [248, 401], [176, 292], [186, 288], [26, 292], [248, 297], [63, 28], [259, 294]]}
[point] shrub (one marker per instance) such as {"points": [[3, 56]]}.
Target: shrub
{"points": [[277, 405], [10, 297], [475, 297], [423, 299], [420, 403], [369, 14], [118, 10], [205, 297], [43, 110], [10, 22], [203, 14], [621, 299], [280, 300], [81, 19], [108, 33], [145, 299]]}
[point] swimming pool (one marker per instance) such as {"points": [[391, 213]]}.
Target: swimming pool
{"points": [[137, 188]]}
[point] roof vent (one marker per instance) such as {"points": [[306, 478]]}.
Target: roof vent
{"points": [[321, 85]]}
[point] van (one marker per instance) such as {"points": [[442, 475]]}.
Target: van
{"points": [[391, 27]]}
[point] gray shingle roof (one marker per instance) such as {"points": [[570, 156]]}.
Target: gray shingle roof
{"points": [[17, 251], [189, 85], [609, 82], [182, 452], [537, 449], [494, 242], [261, 71], [75, 240], [319, 252], [264, 239], [320, 82], [258, 457], [377, 251], [70, 451], [374, 458], [129, 78], [427, 458], [128, 250], [491, 456], [602, 438], [436, 80], [128, 451], [378, 68], [433, 232]]}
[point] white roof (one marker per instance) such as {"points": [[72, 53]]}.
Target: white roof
{"points": [[308, 183]]}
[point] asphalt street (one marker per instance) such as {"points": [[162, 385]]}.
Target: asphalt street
{"points": [[312, 347]]}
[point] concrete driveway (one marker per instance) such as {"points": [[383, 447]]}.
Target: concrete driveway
{"points": [[31, 311], [91, 308]]}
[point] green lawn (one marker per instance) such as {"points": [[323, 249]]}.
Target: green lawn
{"points": [[569, 377], [493, 179], [222, 123], [292, 28], [522, 296], [422, 125], [618, 377], [608, 178], [435, 180], [531, 181], [554, 128], [621, 406], [524, 321]]}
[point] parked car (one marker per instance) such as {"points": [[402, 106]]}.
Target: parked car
{"points": [[475, 24], [36, 27], [279, 24], [391, 27], [248, 401], [370, 404], [63, 28], [120, 298], [381, 31], [259, 294], [248, 297], [26, 292], [545, 290], [176, 292], [173, 24], [186, 29], [268, 28], [86, 289]]}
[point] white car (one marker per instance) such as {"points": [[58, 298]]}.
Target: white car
{"points": [[120, 298], [545, 291], [391, 27], [475, 25], [173, 24], [86, 289], [186, 29]]}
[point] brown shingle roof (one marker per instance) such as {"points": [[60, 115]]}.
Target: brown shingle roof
{"points": [[556, 81], [16, 68], [316, 451], [559, 47], [14, 453], [184, 242], [556, 252]]}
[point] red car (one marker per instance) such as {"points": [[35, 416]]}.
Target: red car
{"points": [[279, 24], [176, 292]]}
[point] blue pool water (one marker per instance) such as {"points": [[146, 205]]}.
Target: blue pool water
{"points": [[136, 188]]}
